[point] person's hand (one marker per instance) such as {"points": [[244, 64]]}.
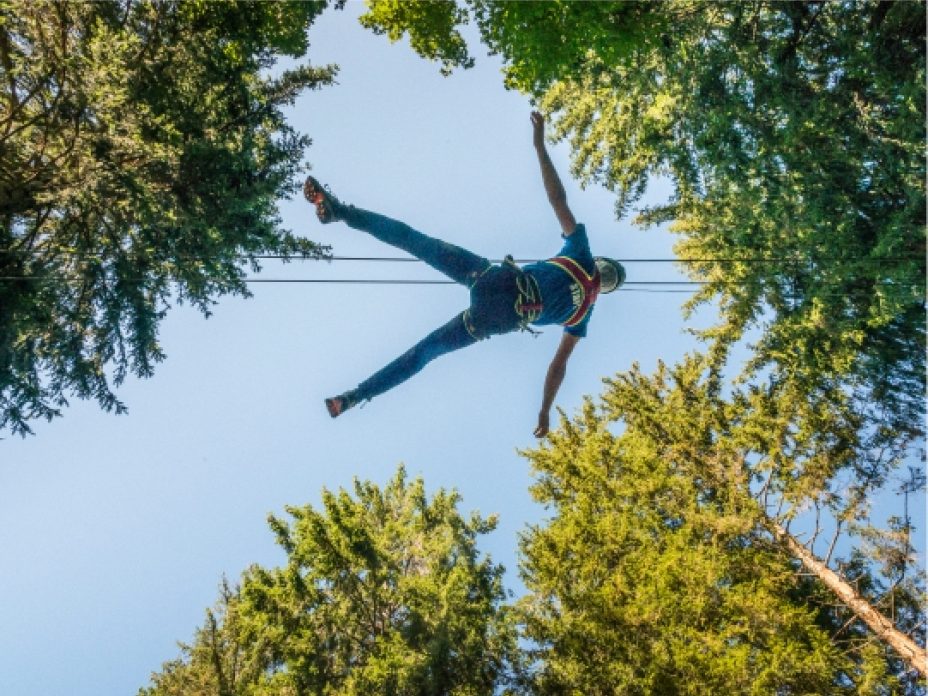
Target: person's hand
{"points": [[538, 128], [543, 424]]}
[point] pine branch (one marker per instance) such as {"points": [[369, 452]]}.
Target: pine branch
{"points": [[882, 628]]}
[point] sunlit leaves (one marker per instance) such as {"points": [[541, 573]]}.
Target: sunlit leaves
{"points": [[655, 571], [383, 592], [774, 120], [794, 135], [431, 26]]}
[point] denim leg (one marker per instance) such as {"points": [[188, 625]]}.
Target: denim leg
{"points": [[451, 336], [460, 265]]}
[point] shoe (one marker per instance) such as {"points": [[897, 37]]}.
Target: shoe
{"points": [[337, 405], [327, 205]]}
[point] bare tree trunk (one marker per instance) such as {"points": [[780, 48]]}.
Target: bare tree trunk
{"points": [[907, 649]]}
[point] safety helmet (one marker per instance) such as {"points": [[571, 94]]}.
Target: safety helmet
{"points": [[611, 273]]}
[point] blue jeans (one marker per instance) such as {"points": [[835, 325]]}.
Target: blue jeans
{"points": [[486, 316]]}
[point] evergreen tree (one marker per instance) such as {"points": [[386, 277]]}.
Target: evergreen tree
{"points": [[667, 565], [142, 153], [794, 134], [384, 592]]}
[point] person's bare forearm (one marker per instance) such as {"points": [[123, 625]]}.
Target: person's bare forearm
{"points": [[557, 196], [556, 371], [553, 380], [553, 186]]}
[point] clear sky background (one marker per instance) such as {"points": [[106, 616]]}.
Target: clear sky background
{"points": [[116, 531]]}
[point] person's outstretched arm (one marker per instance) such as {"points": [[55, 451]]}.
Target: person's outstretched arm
{"points": [[553, 186], [556, 371]]}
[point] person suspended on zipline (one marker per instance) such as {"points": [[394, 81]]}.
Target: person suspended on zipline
{"points": [[503, 297]]}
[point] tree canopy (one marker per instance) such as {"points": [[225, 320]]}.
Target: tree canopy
{"points": [[663, 567], [384, 592], [666, 565], [142, 154], [794, 135]]}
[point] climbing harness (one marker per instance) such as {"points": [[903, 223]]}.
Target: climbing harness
{"points": [[588, 285], [528, 300], [504, 298]]}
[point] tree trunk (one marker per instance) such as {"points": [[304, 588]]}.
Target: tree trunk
{"points": [[907, 649]]}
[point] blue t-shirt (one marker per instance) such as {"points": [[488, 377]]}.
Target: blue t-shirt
{"points": [[559, 297]]}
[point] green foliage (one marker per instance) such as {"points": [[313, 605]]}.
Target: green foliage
{"points": [[384, 592], [141, 157], [545, 41], [255, 28], [656, 572], [431, 27], [218, 661], [902, 601], [794, 134]]}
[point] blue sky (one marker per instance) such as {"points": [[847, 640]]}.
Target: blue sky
{"points": [[115, 531]]}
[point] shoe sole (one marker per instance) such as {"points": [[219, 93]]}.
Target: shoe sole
{"points": [[333, 406], [315, 194]]}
